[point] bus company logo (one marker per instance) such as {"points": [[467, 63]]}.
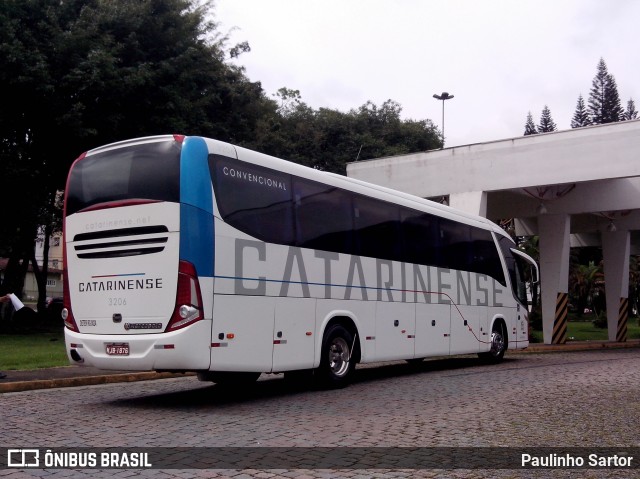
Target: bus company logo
{"points": [[119, 282], [129, 326]]}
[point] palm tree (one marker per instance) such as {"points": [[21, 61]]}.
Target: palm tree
{"points": [[585, 282]]}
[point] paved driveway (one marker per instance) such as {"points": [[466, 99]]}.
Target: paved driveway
{"points": [[572, 399]]}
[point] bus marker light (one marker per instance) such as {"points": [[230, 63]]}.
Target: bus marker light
{"points": [[219, 345], [308, 333], [164, 346], [230, 335]]}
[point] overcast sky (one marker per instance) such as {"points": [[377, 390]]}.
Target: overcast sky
{"points": [[499, 58]]}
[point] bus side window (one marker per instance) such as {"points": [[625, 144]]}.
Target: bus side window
{"points": [[420, 237], [484, 255], [377, 229], [253, 199], [455, 240], [323, 217]]}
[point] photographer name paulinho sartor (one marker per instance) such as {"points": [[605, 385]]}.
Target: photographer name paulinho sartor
{"points": [[569, 460]]}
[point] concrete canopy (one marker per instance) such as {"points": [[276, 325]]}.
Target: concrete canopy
{"points": [[577, 187]]}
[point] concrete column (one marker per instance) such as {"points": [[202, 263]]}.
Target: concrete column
{"points": [[616, 250], [554, 275], [474, 202]]}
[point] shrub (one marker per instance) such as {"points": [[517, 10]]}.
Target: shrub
{"points": [[600, 321]]}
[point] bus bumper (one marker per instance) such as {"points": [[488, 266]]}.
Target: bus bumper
{"points": [[187, 349]]}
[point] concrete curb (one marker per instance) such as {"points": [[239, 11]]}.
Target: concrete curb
{"points": [[18, 386], [579, 346]]}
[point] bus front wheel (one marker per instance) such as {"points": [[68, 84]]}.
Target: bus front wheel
{"points": [[336, 362], [498, 344]]}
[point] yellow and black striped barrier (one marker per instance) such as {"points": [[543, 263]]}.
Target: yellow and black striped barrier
{"points": [[623, 317], [560, 322]]}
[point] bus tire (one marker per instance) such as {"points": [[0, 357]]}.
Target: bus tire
{"points": [[229, 378], [498, 344], [336, 361]]}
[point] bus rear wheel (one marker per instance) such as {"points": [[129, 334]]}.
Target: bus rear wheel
{"points": [[336, 362], [498, 344]]}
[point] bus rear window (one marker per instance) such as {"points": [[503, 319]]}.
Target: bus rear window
{"points": [[149, 171]]}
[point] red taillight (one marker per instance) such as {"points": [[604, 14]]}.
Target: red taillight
{"points": [[67, 315], [188, 308]]}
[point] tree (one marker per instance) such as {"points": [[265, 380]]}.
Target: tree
{"points": [[328, 139], [604, 101], [546, 122], [288, 100], [529, 126], [76, 74], [584, 281], [81, 73], [581, 116], [630, 113]]}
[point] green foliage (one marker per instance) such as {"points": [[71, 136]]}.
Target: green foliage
{"points": [[529, 126], [328, 139], [546, 122], [581, 116], [631, 113], [600, 322], [604, 101], [587, 331], [78, 74], [586, 282]]}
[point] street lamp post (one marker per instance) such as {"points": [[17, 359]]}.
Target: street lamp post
{"points": [[443, 97]]}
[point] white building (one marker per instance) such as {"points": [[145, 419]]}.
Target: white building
{"points": [[572, 188]]}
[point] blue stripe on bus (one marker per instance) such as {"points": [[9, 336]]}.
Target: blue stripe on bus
{"points": [[196, 238], [196, 206], [195, 180]]}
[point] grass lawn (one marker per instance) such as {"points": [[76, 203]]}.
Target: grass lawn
{"points": [[586, 331], [32, 351]]}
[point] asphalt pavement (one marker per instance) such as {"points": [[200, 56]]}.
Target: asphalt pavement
{"points": [[69, 376]]}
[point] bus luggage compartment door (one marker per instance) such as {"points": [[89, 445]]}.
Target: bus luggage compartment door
{"points": [[294, 334], [242, 331]]}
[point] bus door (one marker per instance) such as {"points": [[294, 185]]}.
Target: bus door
{"points": [[525, 267]]}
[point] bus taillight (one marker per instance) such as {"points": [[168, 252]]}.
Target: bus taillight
{"points": [[67, 315], [188, 308]]}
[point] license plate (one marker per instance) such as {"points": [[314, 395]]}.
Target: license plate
{"points": [[121, 349]]}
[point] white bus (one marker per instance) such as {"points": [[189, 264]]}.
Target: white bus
{"points": [[190, 254]]}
